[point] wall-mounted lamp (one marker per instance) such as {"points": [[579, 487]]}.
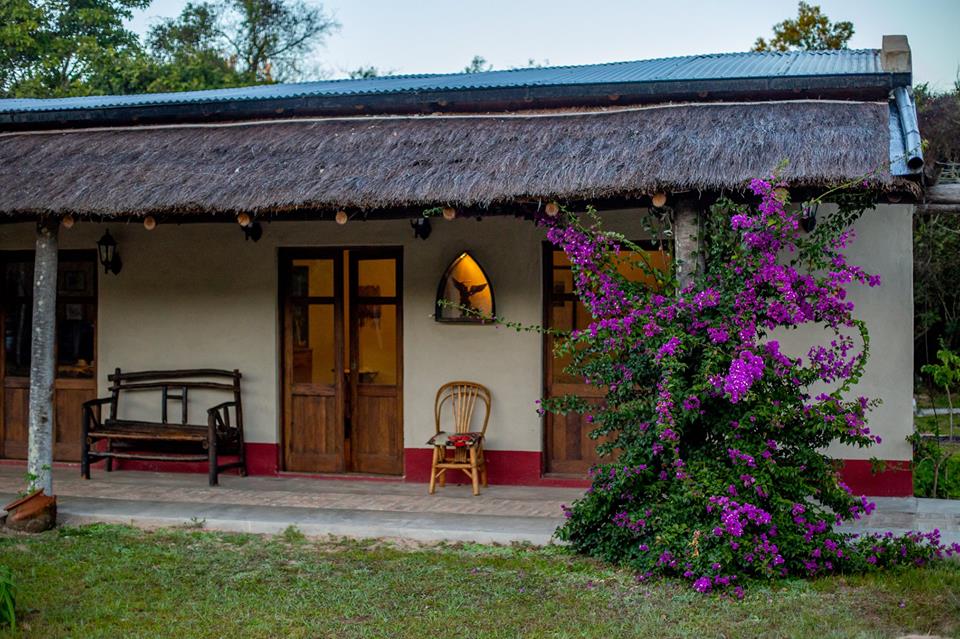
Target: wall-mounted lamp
{"points": [[808, 216], [253, 231], [109, 256], [421, 227]]}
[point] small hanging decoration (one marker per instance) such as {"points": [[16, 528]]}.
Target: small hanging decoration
{"points": [[244, 219], [449, 213], [465, 294], [67, 221], [149, 222], [341, 217], [658, 200], [552, 209]]}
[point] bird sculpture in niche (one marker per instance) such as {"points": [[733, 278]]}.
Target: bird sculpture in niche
{"points": [[466, 292]]}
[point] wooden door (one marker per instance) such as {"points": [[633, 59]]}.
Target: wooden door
{"points": [[313, 406], [568, 447], [375, 428], [75, 348], [342, 316]]}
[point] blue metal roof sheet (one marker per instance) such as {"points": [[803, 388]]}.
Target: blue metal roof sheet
{"points": [[722, 66]]}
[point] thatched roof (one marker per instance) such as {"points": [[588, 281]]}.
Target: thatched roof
{"points": [[383, 162]]}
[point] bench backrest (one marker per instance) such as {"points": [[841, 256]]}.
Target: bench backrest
{"points": [[175, 385]]}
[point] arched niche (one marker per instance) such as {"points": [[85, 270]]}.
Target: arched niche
{"points": [[465, 293]]}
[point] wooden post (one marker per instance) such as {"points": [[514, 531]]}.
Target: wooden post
{"points": [[42, 364], [686, 231]]}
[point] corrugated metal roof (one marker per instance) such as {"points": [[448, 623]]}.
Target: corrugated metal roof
{"points": [[723, 66]]}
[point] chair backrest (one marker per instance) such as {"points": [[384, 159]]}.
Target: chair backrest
{"points": [[462, 397]]}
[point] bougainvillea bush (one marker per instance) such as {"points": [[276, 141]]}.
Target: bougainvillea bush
{"points": [[716, 434]]}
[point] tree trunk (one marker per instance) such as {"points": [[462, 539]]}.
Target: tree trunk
{"points": [[950, 407], [42, 364], [686, 232]]}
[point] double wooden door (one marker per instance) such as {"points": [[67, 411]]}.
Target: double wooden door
{"points": [[76, 348], [342, 360], [568, 447]]}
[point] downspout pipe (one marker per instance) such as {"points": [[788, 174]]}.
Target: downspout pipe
{"points": [[907, 110]]}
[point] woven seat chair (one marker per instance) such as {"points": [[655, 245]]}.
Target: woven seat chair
{"points": [[461, 448]]}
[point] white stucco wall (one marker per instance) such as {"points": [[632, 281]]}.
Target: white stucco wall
{"points": [[883, 246], [198, 295]]}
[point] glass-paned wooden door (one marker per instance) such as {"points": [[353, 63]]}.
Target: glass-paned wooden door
{"points": [[376, 431], [75, 350], [313, 338], [342, 316], [568, 447]]}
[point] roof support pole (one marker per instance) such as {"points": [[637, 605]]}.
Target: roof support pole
{"points": [[42, 364], [686, 235]]}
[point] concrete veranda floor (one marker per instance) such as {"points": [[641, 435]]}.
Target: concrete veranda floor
{"points": [[356, 508]]}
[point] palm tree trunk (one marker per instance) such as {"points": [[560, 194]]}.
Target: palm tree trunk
{"points": [[42, 364]]}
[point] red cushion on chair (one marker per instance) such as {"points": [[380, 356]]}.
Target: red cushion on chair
{"points": [[457, 440]]}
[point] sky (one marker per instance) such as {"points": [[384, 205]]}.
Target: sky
{"points": [[441, 36]]}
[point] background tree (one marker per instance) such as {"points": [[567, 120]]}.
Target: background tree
{"points": [[365, 73], [57, 48], [936, 237], [63, 47], [478, 64], [270, 38], [811, 30], [189, 53]]}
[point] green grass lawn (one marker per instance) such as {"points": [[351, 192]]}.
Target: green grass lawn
{"points": [[110, 581]]}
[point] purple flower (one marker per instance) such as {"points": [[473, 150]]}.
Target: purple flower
{"points": [[703, 584]]}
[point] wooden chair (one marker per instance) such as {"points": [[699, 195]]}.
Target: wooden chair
{"points": [[465, 446]]}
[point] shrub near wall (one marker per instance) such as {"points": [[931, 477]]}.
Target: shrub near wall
{"points": [[719, 475]]}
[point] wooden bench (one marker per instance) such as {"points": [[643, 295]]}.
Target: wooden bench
{"points": [[115, 438]]}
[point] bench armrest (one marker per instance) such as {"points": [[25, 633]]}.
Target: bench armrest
{"points": [[221, 406], [220, 424], [91, 418]]}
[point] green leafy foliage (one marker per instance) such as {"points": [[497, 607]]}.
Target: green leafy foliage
{"points": [[945, 374], [811, 30], [936, 467], [57, 48], [717, 471]]}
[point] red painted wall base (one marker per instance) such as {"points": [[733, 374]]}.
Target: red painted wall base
{"points": [[895, 480], [504, 467], [262, 459], [519, 468]]}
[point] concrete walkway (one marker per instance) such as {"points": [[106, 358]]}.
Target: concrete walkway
{"points": [[352, 508]]}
